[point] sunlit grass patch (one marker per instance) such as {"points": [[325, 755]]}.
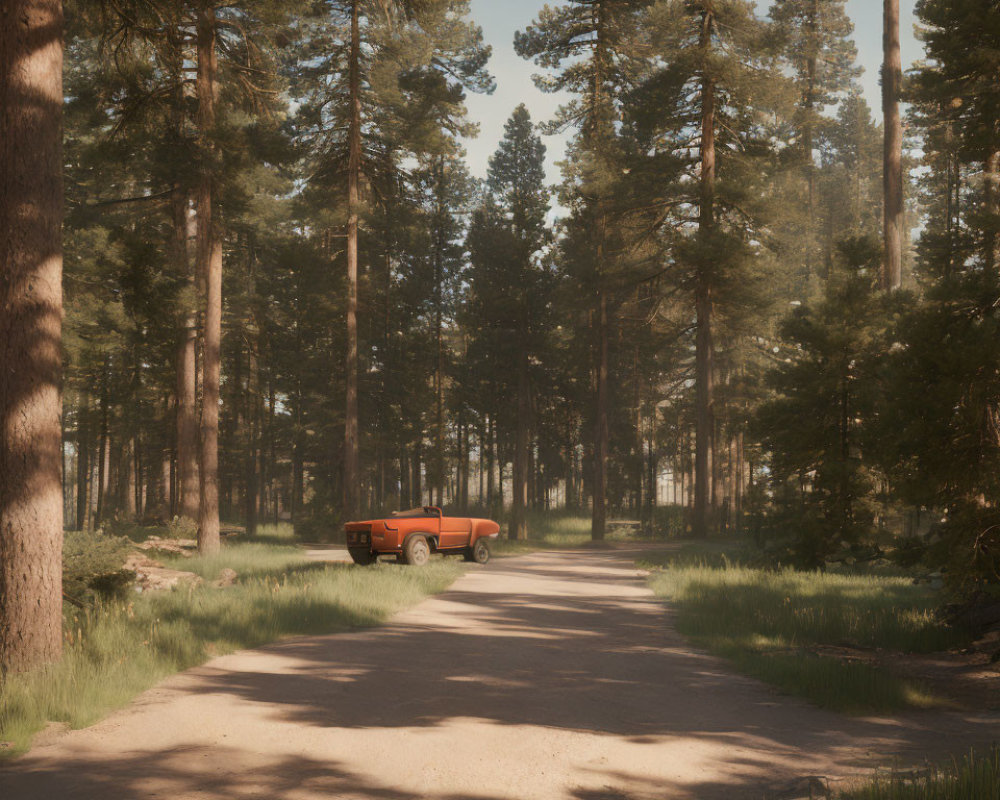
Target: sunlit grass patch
{"points": [[555, 530], [114, 651], [974, 777], [774, 624], [247, 559], [547, 531]]}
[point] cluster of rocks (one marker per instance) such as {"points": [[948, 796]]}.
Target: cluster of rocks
{"points": [[185, 548], [151, 575]]}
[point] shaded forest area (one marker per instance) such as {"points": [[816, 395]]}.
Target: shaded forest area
{"points": [[286, 298]]}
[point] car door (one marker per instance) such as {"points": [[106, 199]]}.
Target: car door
{"points": [[455, 532]]}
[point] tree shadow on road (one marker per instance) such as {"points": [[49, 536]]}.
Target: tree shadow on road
{"points": [[590, 653]]}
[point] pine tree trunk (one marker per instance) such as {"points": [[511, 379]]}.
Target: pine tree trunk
{"points": [[519, 500], [102, 447], [351, 444], [418, 482], [704, 423], [298, 446], [465, 463], [186, 391], [251, 421], [481, 464], [82, 463], [272, 458], [31, 204], [490, 449], [807, 131], [993, 210], [210, 265], [598, 521], [892, 79]]}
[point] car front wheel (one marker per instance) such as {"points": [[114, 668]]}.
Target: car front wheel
{"points": [[417, 551]]}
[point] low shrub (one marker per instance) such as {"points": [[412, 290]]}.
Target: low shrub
{"points": [[93, 566]]}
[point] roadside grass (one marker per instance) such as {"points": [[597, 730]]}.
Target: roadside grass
{"points": [[251, 559], [116, 650], [974, 777], [550, 530], [546, 532], [776, 624], [270, 533]]}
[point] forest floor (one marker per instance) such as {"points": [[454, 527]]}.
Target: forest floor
{"points": [[550, 675]]}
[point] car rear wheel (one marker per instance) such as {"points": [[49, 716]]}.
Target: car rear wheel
{"points": [[362, 556], [417, 551], [481, 551]]}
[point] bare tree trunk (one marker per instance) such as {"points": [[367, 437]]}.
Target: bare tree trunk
{"points": [[210, 265], [481, 463], [187, 412], [31, 508], [102, 448], [490, 450], [704, 422], [807, 130], [892, 79], [351, 444], [83, 462], [298, 446], [418, 482], [252, 422], [519, 500], [599, 513], [993, 210], [465, 467], [272, 459]]}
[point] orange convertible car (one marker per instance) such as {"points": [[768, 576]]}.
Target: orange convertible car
{"points": [[413, 535]]}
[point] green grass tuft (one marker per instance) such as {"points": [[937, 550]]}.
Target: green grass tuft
{"points": [[975, 777], [114, 651], [773, 625]]}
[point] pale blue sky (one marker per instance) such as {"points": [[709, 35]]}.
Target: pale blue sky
{"points": [[501, 18]]}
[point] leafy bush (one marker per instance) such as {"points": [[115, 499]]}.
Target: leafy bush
{"points": [[93, 566], [182, 528], [319, 525], [124, 528]]}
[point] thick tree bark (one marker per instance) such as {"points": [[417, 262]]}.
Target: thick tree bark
{"points": [[704, 422], [31, 197], [892, 79], [351, 445], [210, 266]]}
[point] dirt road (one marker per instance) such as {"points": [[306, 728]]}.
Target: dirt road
{"points": [[555, 675]]}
